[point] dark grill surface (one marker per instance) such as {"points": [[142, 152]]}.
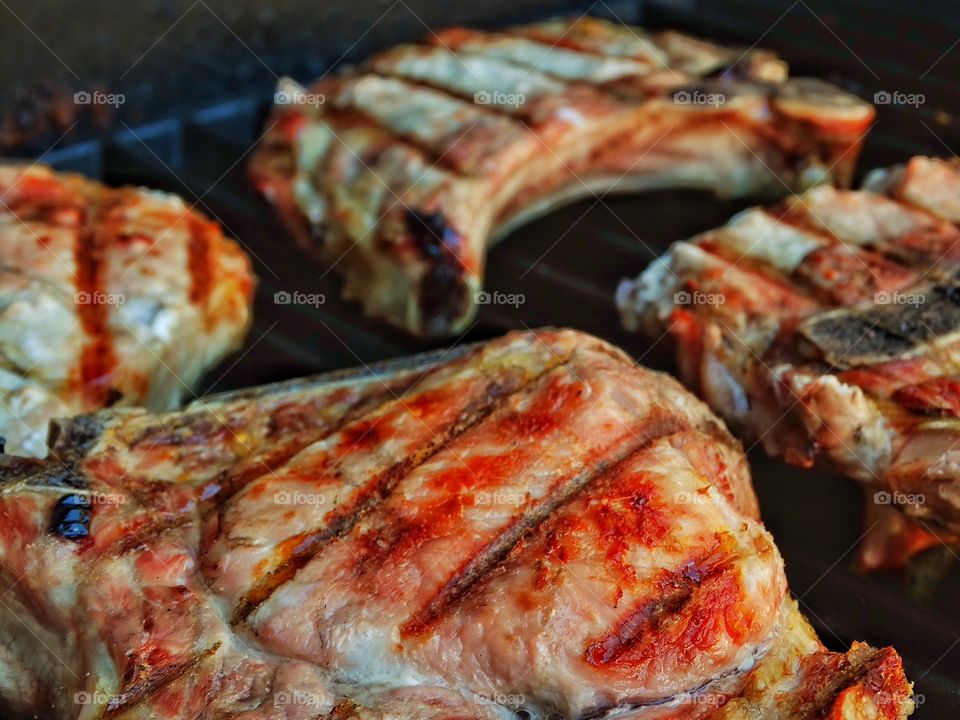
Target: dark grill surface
{"points": [[566, 266]]}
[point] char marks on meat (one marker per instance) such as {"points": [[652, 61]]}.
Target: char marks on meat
{"points": [[100, 286], [533, 525], [827, 328], [470, 135]]}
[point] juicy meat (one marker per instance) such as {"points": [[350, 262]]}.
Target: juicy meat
{"points": [[534, 525], [826, 328], [107, 297], [403, 172]]}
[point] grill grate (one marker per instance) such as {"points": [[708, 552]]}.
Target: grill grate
{"points": [[565, 266]]}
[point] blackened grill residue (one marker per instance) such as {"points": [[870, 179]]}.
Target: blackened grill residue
{"points": [[442, 287]]}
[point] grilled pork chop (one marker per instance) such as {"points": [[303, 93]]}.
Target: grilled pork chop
{"points": [[401, 173], [534, 527], [825, 328], [107, 296]]}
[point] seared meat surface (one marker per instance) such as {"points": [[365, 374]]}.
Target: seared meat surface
{"points": [[533, 525], [400, 174], [107, 297], [826, 329]]}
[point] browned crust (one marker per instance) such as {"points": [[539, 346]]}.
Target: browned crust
{"points": [[834, 685]]}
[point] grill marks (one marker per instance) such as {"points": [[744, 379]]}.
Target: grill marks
{"points": [[611, 594], [535, 514], [685, 602], [109, 300], [854, 263], [290, 429], [98, 358], [467, 65], [203, 234], [866, 373], [592, 593], [420, 407], [888, 265], [146, 685], [397, 93], [97, 216], [301, 548], [427, 555], [843, 276], [99, 229], [296, 551], [499, 120]]}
